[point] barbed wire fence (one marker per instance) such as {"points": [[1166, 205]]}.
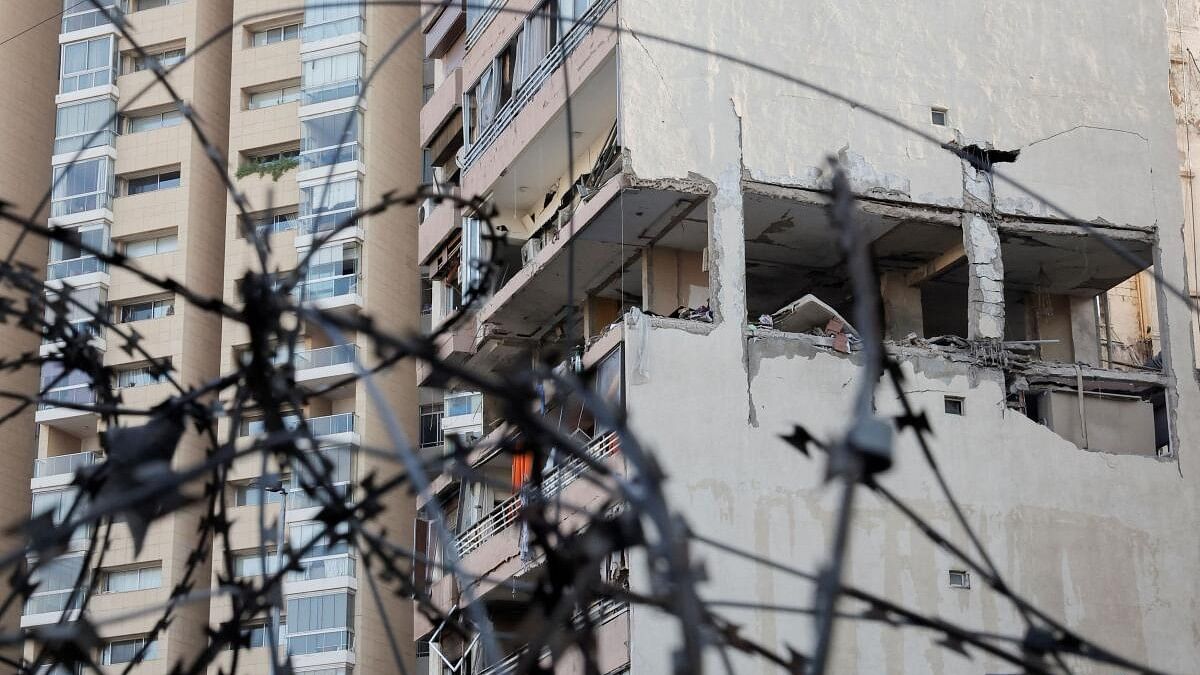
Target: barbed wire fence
{"points": [[142, 480]]}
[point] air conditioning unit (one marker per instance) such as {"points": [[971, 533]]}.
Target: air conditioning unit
{"points": [[530, 249]]}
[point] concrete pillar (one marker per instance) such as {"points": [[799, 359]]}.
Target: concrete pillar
{"points": [[1085, 336], [901, 306], [985, 268]]}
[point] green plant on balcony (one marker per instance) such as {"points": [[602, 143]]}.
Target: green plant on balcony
{"points": [[275, 167]]}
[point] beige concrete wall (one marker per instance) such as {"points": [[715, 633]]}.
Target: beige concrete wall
{"points": [[26, 142]]}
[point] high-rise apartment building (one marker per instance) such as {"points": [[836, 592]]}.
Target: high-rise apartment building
{"points": [[273, 95], [709, 290], [26, 137], [321, 125], [139, 182]]}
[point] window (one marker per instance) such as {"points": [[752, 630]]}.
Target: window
{"points": [[141, 376], [125, 651], [141, 5], [138, 123], [330, 139], [141, 579], [253, 565], [69, 258], [272, 156], [82, 186], [277, 222], [431, 425], [938, 116], [320, 623], [55, 585], [334, 260], [149, 309], [253, 495], [273, 97], [270, 36], [463, 404], [86, 64], [87, 304], [58, 503], [469, 272], [141, 248], [88, 124], [154, 57], [323, 206], [960, 579], [331, 77], [152, 183], [324, 22], [81, 15], [953, 405], [253, 637]]}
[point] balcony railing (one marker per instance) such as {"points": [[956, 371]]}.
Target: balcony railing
{"points": [[325, 356], [62, 464], [331, 91], [316, 643], [322, 568], [326, 425], [75, 267], [332, 287], [74, 395], [553, 484]]}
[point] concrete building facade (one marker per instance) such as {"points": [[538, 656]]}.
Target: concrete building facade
{"points": [[26, 138], [1058, 377]]}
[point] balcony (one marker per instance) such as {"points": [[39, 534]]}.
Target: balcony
{"points": [[554, 484], [320, 368], [78, 272], [339, 292], [332, 567], [60, 469], [320, 643], [52, 411], [338, 429], [48, 607], [86, 19], [331, 91]]}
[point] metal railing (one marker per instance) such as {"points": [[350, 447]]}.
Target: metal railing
{"points": [[325, 425], [553, 483], [599, 613], [325, 356], [62, 464], [75, 266], [332, 287], [342, 423]]}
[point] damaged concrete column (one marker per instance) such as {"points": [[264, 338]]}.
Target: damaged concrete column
{"points": [[985, 268]]}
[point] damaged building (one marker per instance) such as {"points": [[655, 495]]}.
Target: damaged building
{"points": [[667, 231]]}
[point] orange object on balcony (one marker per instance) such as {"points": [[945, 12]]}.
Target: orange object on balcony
{"points": [[522, 469]]}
